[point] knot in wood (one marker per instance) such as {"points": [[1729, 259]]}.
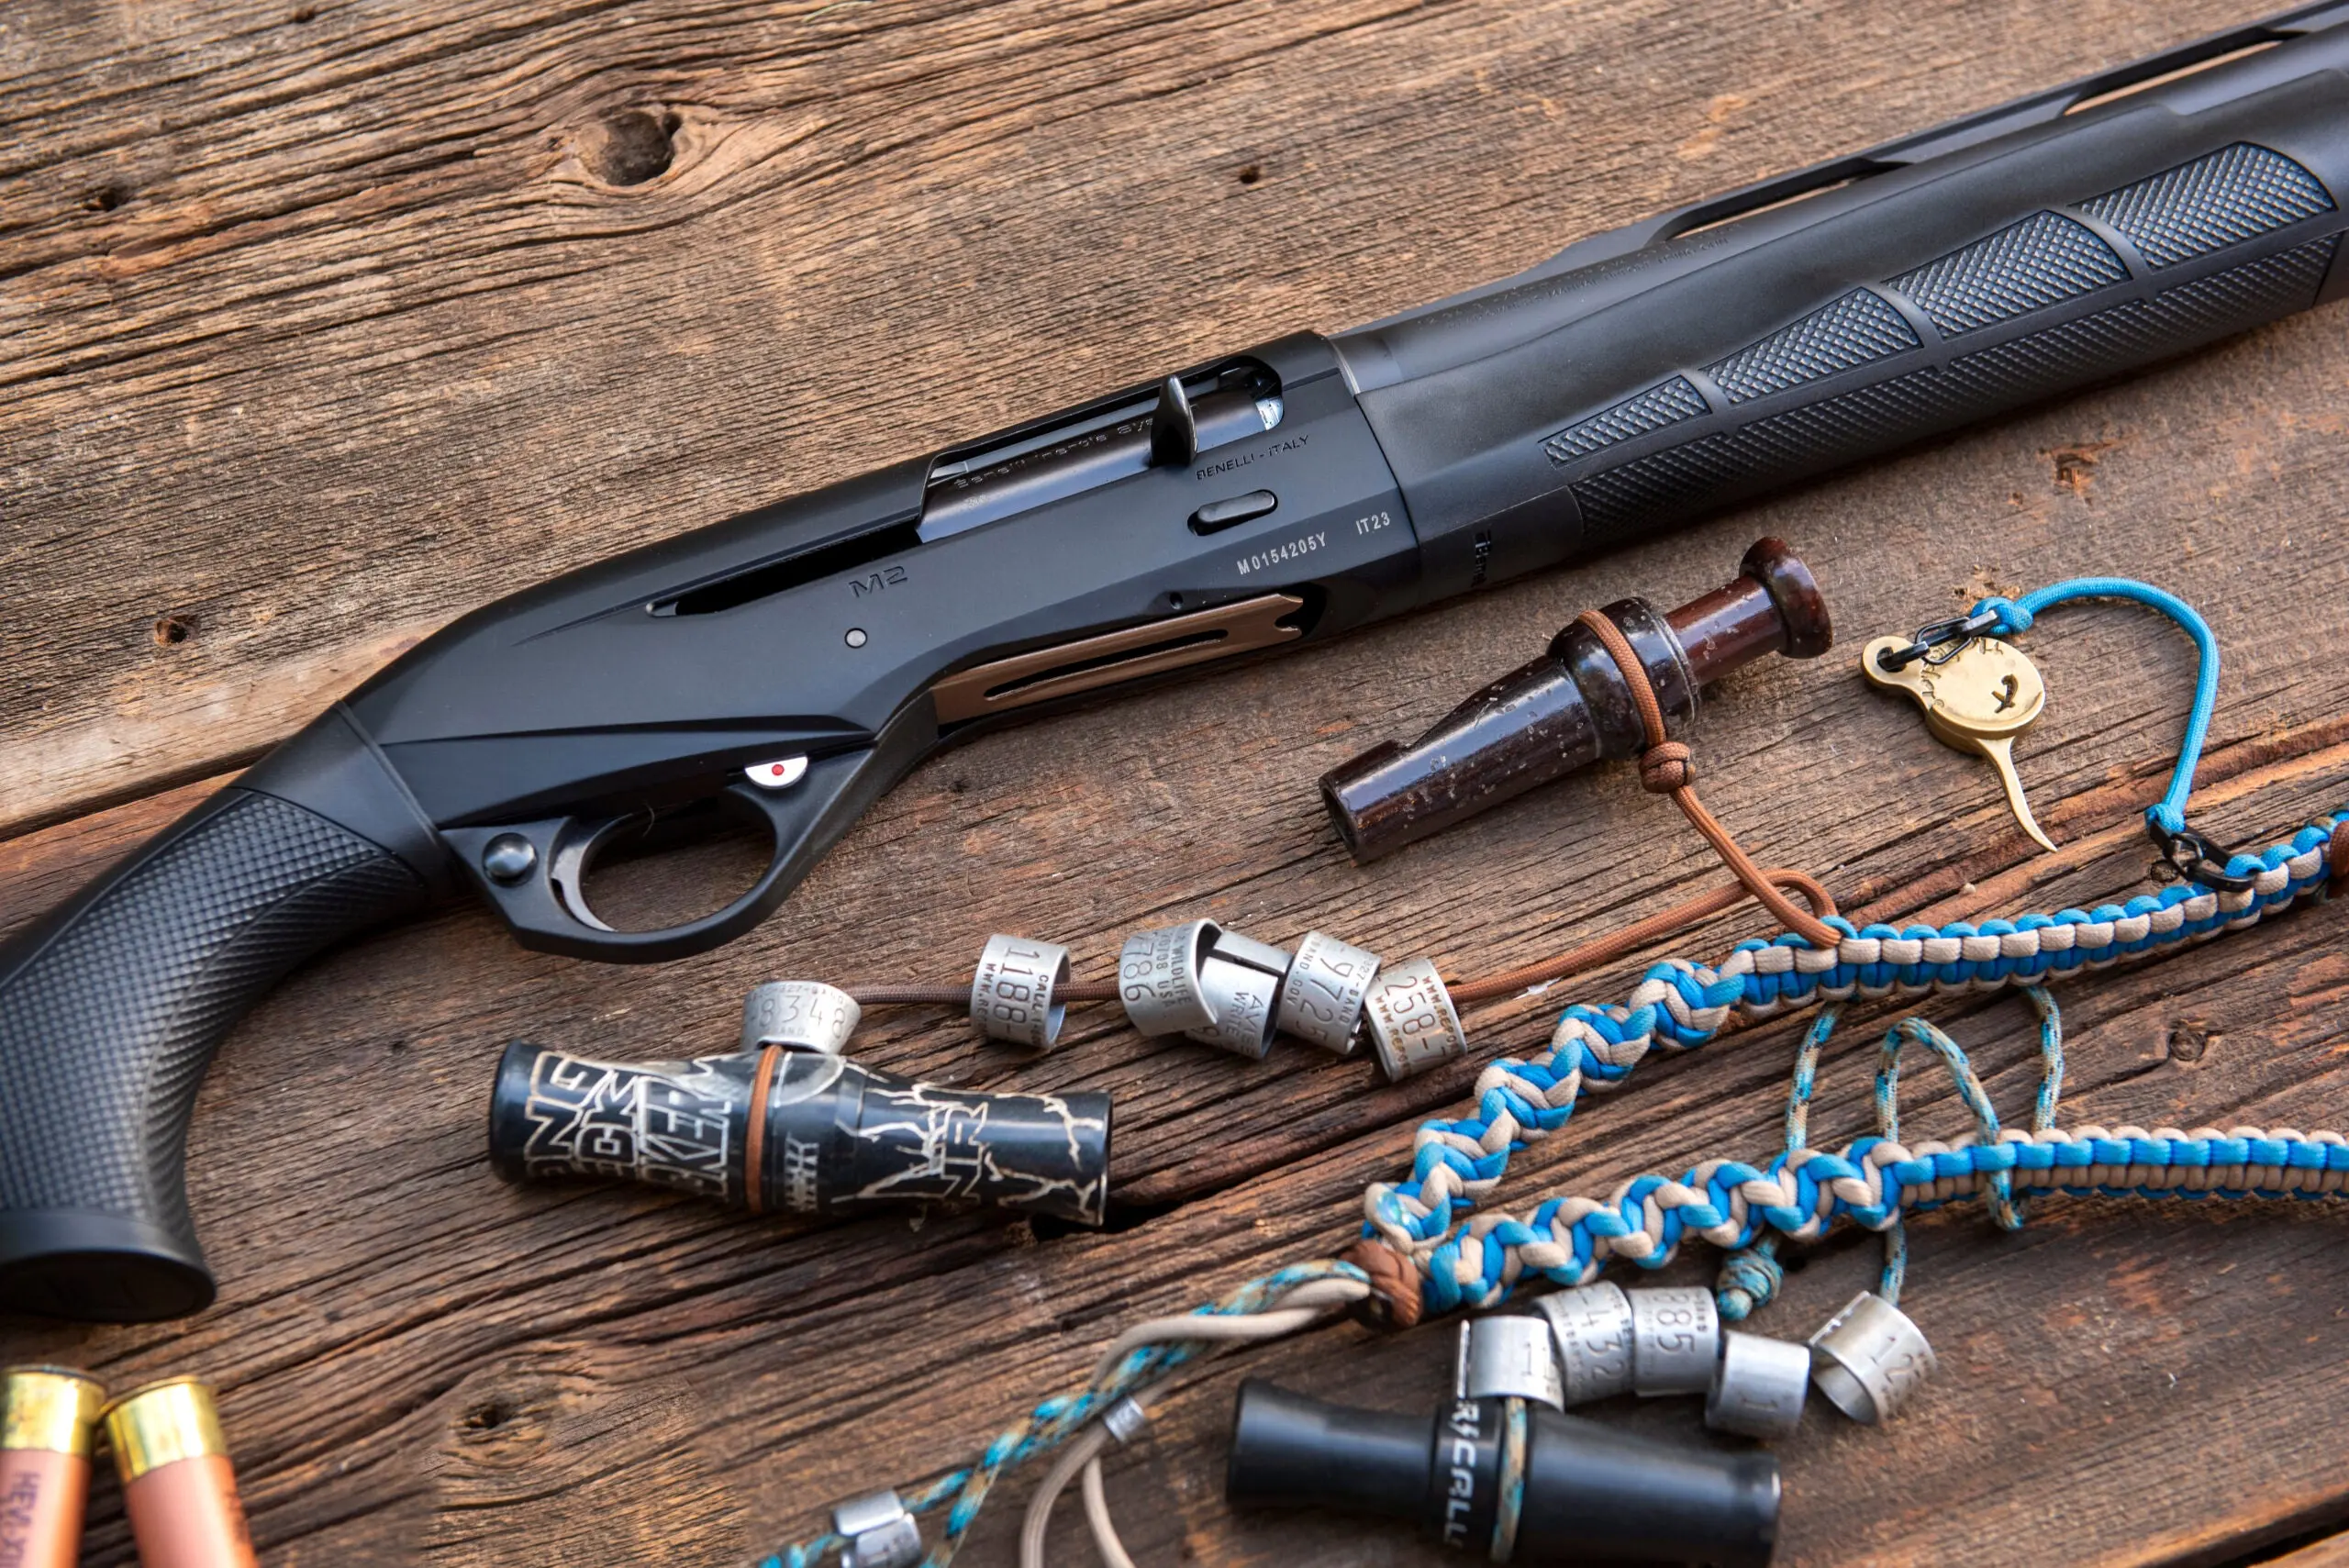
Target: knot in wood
{"points": [[1665, 768]]}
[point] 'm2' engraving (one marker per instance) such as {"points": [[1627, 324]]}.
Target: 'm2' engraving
{"points": [[874, 582]]}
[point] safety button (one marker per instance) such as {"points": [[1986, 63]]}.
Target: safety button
{"points": [[1217, 516], [780, 773]]}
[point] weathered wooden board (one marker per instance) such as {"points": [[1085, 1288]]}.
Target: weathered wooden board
{"points": [[2329, 1553], [324, 325]]}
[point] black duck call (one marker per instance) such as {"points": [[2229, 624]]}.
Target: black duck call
{"points": [[1589, 1492], [797, 1132]]}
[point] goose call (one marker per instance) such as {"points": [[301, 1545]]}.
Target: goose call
{"points": [[791, 664]]}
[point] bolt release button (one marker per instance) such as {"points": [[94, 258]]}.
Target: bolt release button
{"points": [[1217, 516]]}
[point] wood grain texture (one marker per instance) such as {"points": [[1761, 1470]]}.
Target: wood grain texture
{"points": [[321, 325], [2328, 1553]]}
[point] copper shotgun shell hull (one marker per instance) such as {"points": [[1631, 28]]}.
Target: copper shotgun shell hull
{"points": [[48, 1420], [177, 1483], [41, 1495]]}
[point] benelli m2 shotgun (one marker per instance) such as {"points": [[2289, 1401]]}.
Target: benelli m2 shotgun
{"points": [[793, 663]]}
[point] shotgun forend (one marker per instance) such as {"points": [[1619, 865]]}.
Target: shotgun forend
{"points": [[791, 664]]}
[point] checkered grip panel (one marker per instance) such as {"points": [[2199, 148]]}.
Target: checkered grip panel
{"points": [[1856, 329], [2024, 267], [1675, 400], [2233, 194], [1667, 486]]}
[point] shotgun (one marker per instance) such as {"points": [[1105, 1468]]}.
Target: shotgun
{"points": [[791, 664]]}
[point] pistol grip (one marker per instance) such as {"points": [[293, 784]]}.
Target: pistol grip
{"points": [[111, 1009]]}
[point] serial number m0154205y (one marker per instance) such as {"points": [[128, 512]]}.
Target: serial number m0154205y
{"points": [[1293, 549]]}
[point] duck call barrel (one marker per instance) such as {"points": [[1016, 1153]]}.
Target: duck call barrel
{"points": [[798, 1131], [1589, 1491], [48, 1419], [1571, 707]]}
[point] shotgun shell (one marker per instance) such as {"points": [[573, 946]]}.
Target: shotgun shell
{"points": [[177, 1485], [48, 1416]]}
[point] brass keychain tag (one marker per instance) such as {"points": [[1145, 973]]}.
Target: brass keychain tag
{"points": [[1977, 697]]}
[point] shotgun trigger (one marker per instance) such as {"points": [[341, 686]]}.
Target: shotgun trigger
{"points": [[534, 873]]}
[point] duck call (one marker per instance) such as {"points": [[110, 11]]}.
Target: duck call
{"points": [[1587, 1491], [1571, 707], [797, 1132]]}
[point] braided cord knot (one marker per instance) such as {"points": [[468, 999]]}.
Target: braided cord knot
{"points": [[1749, 1280], [1666, 768]]}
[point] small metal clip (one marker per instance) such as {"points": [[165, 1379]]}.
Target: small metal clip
{"points": [[1957, 628], [1758, 1387], [1013, 988], [1870, 1359], [879, 1531], [1124, 1421], [799, 1015], [2196, 859], [1509, 1357]]}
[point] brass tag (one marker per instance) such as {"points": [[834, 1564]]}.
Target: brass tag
{"points": [[1977, 699]]}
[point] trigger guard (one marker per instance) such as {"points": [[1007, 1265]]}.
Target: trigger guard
{"points": [[548, 910]]}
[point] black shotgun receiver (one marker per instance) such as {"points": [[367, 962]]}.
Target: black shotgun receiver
{"points": [[793, 663]]}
